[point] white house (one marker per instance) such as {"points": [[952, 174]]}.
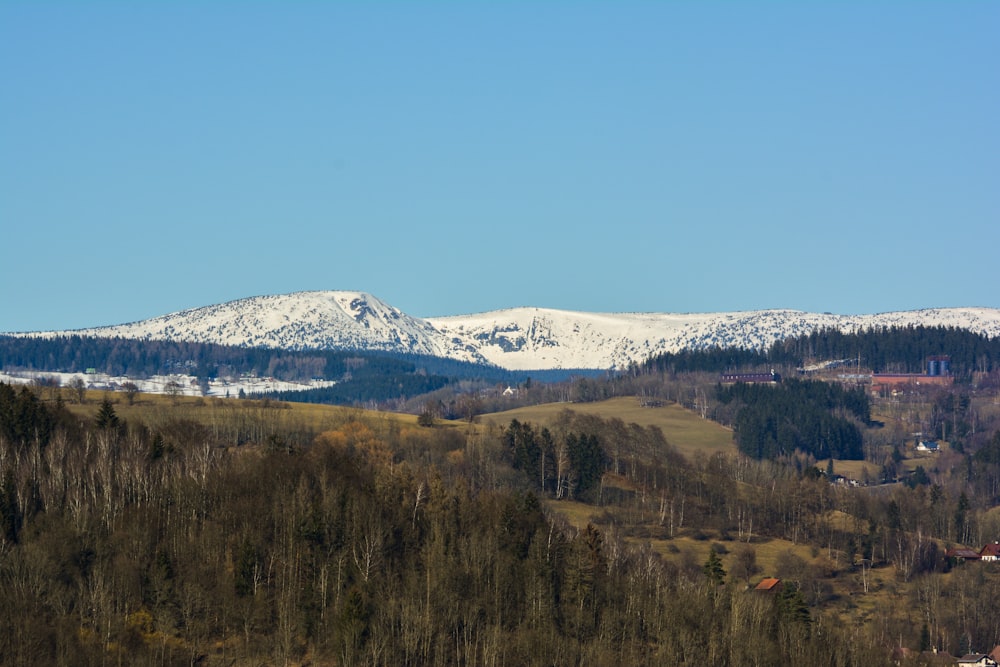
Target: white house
{"points": [[990, 552]]}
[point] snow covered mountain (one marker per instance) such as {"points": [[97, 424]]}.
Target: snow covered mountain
{"points": [[516, 339], [529, 338], [303, 320]]}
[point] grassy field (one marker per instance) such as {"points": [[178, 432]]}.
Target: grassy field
{"points": [[684, 429], [155, 409], [851, 469]]}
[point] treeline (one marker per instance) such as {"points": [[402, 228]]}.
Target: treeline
{"points": [[143, 358], [816, 418], [363, 378], [370, 390], [984, 471], [882, 349], [713, 360], [896, 349], [566, 467], [569, 460], [23, 416]]}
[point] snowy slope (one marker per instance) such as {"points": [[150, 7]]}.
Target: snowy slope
{"points": [[516, 339], [303, 320], [530, 338]]}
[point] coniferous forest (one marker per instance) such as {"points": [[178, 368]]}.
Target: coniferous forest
{"points": [[363, 378], [883, 349], [816, 418]]}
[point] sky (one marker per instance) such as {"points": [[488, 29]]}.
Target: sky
{"points": [[460, 157]]}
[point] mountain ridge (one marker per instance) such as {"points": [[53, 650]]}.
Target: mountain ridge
{"points": [[522, 338]]}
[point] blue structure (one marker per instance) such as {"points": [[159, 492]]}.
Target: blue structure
{"points": [[940, 365]]}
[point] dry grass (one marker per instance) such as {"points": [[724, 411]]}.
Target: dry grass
{"points": [[851, 469], [684, 429], [155, 409], [767, 551], [576, 514]]}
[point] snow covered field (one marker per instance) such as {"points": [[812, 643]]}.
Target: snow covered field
{"points": [[181, 385]]}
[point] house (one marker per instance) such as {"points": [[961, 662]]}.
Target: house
{"points": [[977, 660], [768, 585], [751, 378], [928, 446], [990, 552], [960, 554]]}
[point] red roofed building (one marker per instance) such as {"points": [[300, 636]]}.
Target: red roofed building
{"points": [[961, 554], [990, 552], [881, 381], [768, 584]]}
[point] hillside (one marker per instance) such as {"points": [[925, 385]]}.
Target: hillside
{"points": [[683, 429], [259, 531], [514, 339]]}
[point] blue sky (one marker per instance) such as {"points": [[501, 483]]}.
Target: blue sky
{"points": [[457, 157]]}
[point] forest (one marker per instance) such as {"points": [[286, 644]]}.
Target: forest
{"points": [[363, 378], [375, 543], [882, 349], [820, 419], [367, 540], [142, 358], [245, 532], [896, 349]]}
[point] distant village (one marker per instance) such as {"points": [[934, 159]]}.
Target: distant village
{"points": [[880, 385], [938, 373]]}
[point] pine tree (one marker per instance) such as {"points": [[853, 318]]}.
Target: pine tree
{"points": [[10, 515], [106, 417], [792, 606], [713, 569]]}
